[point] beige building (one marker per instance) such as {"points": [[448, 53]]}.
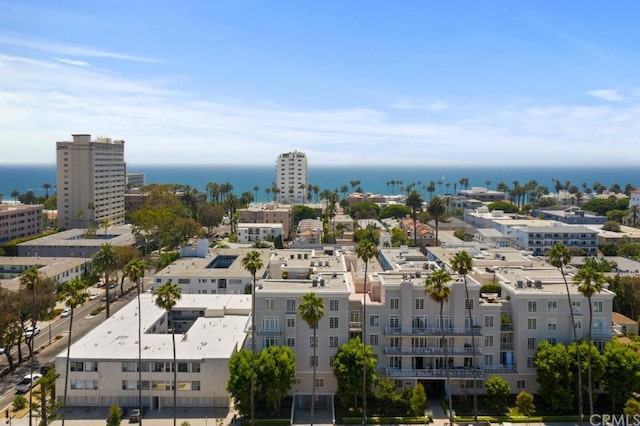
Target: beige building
{"points": [[292, 178], [268, 213], [90, 181], [19, 220]]}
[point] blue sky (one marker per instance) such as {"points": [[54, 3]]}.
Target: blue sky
{"points": [[347, 82]]}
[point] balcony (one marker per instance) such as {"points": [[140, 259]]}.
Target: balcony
{"points": [[269, 331], [506, 327], [389, 350], [506, 346], [355, 325], [501, 368], [431, 331], [412, 372]]}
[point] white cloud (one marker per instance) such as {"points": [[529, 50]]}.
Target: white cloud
{"points": [[72, 62], [408, 105], [610, 95]]}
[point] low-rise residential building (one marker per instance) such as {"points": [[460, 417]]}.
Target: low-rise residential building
{"points": [[268, 213], [539, 239], [60, 269], [481, 194], [570, 216], [104, 363], [19, 220], [251, 232]]}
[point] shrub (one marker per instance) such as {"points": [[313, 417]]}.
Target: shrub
{"points": [[19, 402]]}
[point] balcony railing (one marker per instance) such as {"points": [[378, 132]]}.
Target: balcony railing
{"points": [[388, 350], [431, 331], [355, 325], [268, 331], [506, 327], [506, 346], [412, 372], [501, 368]]}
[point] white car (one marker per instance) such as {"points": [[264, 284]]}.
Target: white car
{"points": [[65, 313], [2, 350], [30, 332], [93, 296], [28, 382]]}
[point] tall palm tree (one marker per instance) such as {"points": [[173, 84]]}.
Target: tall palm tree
{"points": [[74, 294], [366, 250], [15, 194], [437, 287], [462, 264], [589, 281], [252, 262], [634, 211], [166, 297], [414, 202], [46, 186], [107, 260], [437, 208], [311, 310], [31, 279], [134, 270], [559, 257]]}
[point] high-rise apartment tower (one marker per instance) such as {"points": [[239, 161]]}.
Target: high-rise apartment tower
{"points": [[292, 178], [90, 180]]}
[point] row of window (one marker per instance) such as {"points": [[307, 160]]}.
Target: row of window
{"points": [[132, 366], [552, 306]]}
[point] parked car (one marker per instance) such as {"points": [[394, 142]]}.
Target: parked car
{"points": [[93, 296], [2, 349], [30, 332], [135, 415], [28, 382], [113, 285], [65, 313]]}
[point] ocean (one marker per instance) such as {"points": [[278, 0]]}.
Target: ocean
{"points": [[372, 179]]}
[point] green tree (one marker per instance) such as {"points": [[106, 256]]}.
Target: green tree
{"points": [[632, 407], [524, 402], [364, 210], [462, 265], [166, 297], [114, 416], [414, 202], [10, 330], [621, 374], [352, 358], [241, 380], [311, 310], [554, 373], [74, 294], [498, 391], [504, 206], [418, 401], [107, 260], [46, 186], [611, 226], [398, 237], [396, 211], [301, 212], [365, 250], [438, 289], [559, 257], [252, 262], [386, 396], [370, 233], [134, 270], [589, 281], [437, 209], [276, 369]]}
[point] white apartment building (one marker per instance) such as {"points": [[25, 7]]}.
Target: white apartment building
{"points": [[104, 363], [90, 181], [292, 177], [61, 269], [19, 220], [251, 232], [539, 239]]}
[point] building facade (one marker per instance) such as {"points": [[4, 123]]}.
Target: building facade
{"points": [[90, 178], [18, 220], [292, 177]]}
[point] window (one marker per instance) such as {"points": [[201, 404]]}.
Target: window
{"points": [[468, 304], [195, 385], [313, 361], [291, 322], [488, 321], [320, 382], [488, 359], [531, 343], [333, 322], [597, 306], [354, 316], [521, 384], [488, 341], [333, 305], [291, 305], [394, 303], [552, 305], [129, 385], [576, 306], [420, 304], [269, 341], [333, 341], [332, 358], [195, 367], [269, 304], [578, 323], [394, 321], [373, 340], [532, 306], [79, 366], [313, 341], [374, 320], [552, 340], [530, 362], [419, 321], [552, 324], [183, 367], [532, 323], [291, 342]]}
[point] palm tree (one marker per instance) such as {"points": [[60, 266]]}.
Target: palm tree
{"points": [[634, 211], [462, 264], [366, 250], [46, 186], [311, 310], [134, 270], [589, 281], [31, 279], [437, 208], [107, 260], [166, 298], [256, 189], [436, 286], [414, 202], [105, 224], [15, 194], [559, 257], [252, 262], [74, 294]]}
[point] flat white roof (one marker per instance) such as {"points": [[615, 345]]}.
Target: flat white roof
{"points": [[210, 337]]}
